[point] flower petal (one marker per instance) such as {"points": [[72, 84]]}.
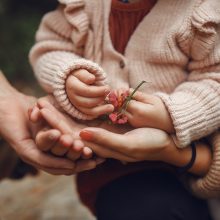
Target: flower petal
{"points": [[113, 117]]}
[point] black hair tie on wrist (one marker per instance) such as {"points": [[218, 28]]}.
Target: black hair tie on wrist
{"points": [[182, 170]]}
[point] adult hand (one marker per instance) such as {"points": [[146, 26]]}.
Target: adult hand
{"points": [[46, 113], [112, 141], [125, 144], [15, 128], [136, 145], [146, 144]]}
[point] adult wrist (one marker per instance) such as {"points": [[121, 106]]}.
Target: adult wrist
{"points": [[189, 165], [176, 156]]}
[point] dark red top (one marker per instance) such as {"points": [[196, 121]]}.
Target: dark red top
{"points": [[124, 18]]}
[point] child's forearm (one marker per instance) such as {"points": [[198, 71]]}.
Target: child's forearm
{"points": [[181, 157]]}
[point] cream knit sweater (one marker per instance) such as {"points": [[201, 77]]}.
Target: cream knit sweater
{"points": [[176, 48]]}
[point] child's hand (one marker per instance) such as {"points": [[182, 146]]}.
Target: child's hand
{"points": [[87, 97], [61, 141], [146, 110]]}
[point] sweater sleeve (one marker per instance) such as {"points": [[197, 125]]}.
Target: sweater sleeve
{"points": [[209, 185], [195, 104], [58, 51]]}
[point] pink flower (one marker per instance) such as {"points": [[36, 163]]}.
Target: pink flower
{"points": [[120, 100], [113, 99], [113, 117], [117, 98], [118, 118], [122, 119]]}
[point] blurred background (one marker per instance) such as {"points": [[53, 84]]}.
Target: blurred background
{"points": [[19, 21], [41, 196]]}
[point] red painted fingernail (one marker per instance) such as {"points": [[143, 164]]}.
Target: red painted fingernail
{"points": [[86, 135]]}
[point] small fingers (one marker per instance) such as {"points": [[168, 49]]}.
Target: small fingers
{"points": [[81, 101], [62, 146], [99, 110], [138, 96], [87, 153], [132, 107], [73, 155], [75, 151], [78, 145], [55, 120], [141, 97], [46, 139], [84, 76], [74, 85], [34, 114]]}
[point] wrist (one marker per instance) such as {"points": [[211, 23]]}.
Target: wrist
{"points": [[166, 122], [203, 159], [175, 156]]}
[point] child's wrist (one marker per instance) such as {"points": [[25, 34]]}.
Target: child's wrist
{"points": [[167, 122]]}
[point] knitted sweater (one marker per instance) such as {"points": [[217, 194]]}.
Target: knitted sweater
{"points": [[176, 47]]}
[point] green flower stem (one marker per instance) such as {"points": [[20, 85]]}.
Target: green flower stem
{"points": [[129, 98]]}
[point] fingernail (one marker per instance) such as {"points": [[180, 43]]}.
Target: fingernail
{"points": [[86, 135]]}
